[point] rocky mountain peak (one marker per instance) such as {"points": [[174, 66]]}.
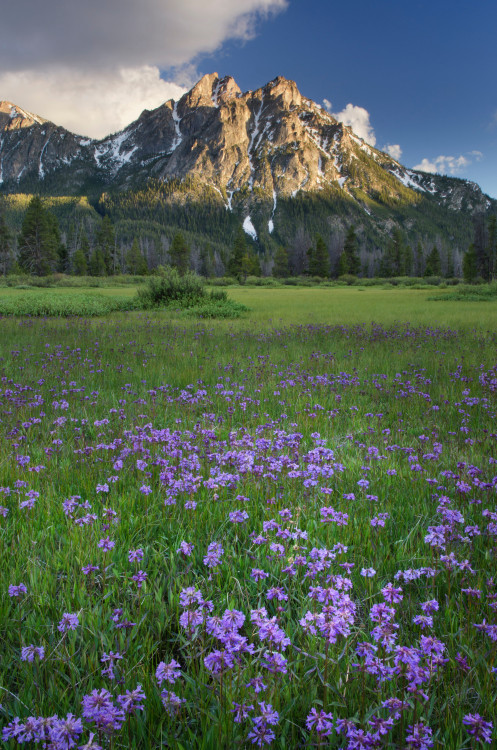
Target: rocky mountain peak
{"points": [[201, 94], [210, 91], [226, 89], [258, 146], [283, 92], [13, 117]]}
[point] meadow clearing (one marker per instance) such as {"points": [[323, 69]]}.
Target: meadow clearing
{"points": [[278, 531]]}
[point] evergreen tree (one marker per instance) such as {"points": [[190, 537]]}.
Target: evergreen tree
{"points": [[433, 265], [105, 241], [85, 245], [481, 246], [71, 239], [408, 260], [38, 248], [319, 261], [398, 266], [450, 272], [135, 262], [492, 247], [235, 262], [280, 267], [250, 264], [79, 263], [470, 264], [386, 266], [351, 252], [418, 260], [206, 264], [179, 253], [55, 239], [6, 255], [397, 258], [342, 265], [97, 266]]}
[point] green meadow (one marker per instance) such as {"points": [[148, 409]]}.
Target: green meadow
{"points": [[332, 305], [278, 530]]}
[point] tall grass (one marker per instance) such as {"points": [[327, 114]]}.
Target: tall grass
{"points": [[157, 431]]}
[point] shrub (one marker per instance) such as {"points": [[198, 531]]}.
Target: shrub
{"points": [[186, 294], [222, 281], [469, 293], [218, 295], [168, 286], [261, 281], [347, 278]]}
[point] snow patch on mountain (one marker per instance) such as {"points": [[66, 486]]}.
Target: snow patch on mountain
{"points": [[41, 171], [249, 228], [177, 122], [16, 111], [112, 151], [215, 94], [406, 179], [270, 224]]}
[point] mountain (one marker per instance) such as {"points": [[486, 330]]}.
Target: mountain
{"points": [[270, 158]]}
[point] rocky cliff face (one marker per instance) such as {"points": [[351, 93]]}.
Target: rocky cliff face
{"points": [[246, 146], [32, 148]]}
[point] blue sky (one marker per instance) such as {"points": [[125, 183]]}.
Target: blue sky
{"points": [[415, 76], [425, 72]]}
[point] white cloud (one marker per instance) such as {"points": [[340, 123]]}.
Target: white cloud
{"points": [[93, 66], [328, 105], [129, 33], [358, 119], [425, 165], [394, 150], [89, 105], [447, 164]]}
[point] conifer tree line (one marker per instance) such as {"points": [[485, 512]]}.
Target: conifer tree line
{"points": [[40, 249]]}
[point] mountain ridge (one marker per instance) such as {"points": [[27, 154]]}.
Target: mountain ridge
{"points": [[252, 150]]}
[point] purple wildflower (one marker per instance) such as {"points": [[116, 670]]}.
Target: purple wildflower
{"points": [[257, 684], [132, 700], [171, 702], [17, 591], [320, 721], [186, 548], [28, 653], [69, 622], [218, 661], [109, 659], [106, 544], [241, 712], [419, 737], [368, 572], [478, 728], [214, 554], [139, 578], [238, 516], [168, 672]]}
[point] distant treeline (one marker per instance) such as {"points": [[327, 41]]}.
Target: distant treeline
{"points": [[125, 246]]}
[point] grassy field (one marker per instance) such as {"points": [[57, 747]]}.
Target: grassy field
{"points": [[274, 531], [284, 305]]}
